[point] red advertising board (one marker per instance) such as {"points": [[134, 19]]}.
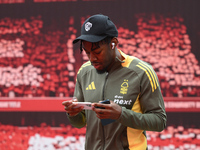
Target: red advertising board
{"points": [[189, 104], [32, 104]]}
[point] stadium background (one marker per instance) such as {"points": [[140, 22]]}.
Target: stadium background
{"points": [[38, 66]]}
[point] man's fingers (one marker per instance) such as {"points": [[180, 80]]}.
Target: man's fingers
{"points": [[65, 103]]}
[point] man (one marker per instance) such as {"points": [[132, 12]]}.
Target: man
{"points": [[131, 85]]}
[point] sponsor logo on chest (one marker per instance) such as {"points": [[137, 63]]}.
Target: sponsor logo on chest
{"points": [[119, 100]]}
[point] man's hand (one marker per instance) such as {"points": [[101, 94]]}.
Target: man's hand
{"points": [[70, 107], [110, 111]]}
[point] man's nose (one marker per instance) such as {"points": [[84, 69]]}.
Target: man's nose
{"points": [[92, 57]]}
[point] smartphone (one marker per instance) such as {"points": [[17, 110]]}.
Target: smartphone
{"points": [[106, 121], [107, 101]]}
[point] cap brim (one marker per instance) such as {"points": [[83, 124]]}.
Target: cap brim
{"points": [[90, 38]]}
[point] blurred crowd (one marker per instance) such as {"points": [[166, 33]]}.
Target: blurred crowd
{"points": [[165, 44], [33, 63], [67, 137], [38, 61]]}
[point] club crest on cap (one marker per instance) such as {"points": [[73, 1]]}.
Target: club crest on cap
{"points": [[88, 25]]}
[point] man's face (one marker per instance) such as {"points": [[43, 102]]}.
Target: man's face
{"points": [[100, 55]]}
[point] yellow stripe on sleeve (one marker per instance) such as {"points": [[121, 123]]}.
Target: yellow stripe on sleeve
{"points": [[84, 65], [148, 76], [151, 75]]}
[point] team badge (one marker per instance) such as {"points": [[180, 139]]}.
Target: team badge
{"points": [[88, 26], [124, 87]]}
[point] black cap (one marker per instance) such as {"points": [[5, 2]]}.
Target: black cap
{"points": [[96, 28]]}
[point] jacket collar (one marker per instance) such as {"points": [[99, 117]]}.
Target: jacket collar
{"points": [[118, 62]]}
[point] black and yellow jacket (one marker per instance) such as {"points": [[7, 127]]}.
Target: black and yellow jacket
{"points": [[133, 85]]}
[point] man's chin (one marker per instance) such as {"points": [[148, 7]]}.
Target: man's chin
{"points": [[101, 70]]}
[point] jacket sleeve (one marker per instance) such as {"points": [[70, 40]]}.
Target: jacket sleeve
{"points": [[152, 116], [79, 120]]}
